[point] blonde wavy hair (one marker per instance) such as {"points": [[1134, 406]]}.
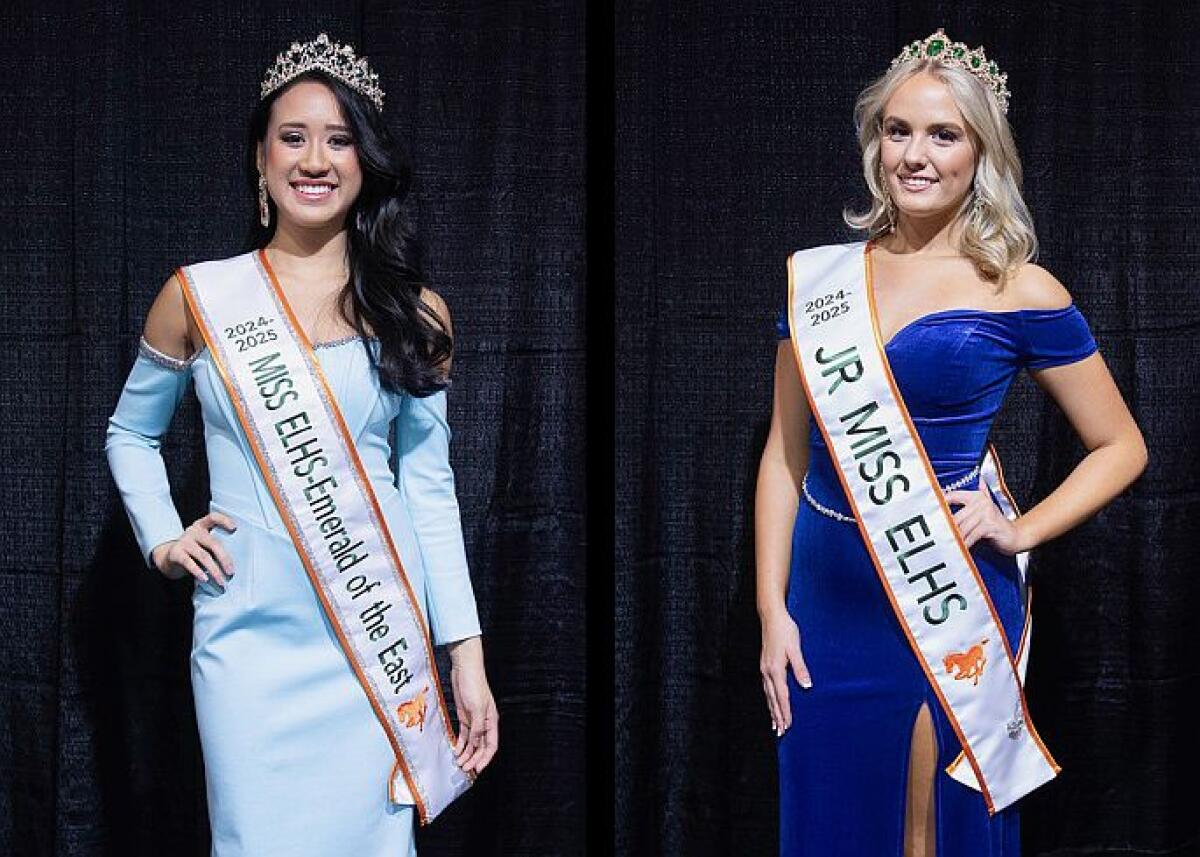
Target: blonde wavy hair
{"points": [[999, 236]]}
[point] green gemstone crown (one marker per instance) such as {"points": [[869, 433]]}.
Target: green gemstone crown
{"points": [[938, 46]]}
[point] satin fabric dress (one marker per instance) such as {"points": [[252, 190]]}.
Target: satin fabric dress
{"points": [[843, 764], [296, 762]]}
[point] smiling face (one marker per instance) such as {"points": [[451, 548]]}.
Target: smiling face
{"points": [[309, 158], [928, 158]]}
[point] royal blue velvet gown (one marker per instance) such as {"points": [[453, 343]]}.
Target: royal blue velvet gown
{"points": [[843, 765], [296, 763]]}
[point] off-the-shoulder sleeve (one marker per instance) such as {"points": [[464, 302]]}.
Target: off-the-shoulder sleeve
{"points": [[426, 482], [1054, 337], [152, 392], [782, 328]]}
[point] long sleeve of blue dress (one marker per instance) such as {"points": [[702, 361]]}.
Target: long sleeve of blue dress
{"points": [[152, 392], [426, 482]]}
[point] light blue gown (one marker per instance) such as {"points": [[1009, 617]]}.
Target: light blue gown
{"points": [[296, 762]]}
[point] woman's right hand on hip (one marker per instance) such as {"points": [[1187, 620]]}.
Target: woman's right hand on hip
{"points": [[197, 551], [781, 650]]}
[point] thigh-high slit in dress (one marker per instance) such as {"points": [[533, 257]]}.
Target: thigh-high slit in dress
{"points": [[843, 764]]}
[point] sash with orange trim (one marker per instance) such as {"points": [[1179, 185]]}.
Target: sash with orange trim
{"points": [[926, 570], [309, 461]]}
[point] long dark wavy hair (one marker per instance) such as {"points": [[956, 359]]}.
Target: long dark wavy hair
{"points": [[384, 286]]}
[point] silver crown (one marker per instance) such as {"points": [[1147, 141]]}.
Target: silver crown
{"points": [[937, 46], [330, 57]]}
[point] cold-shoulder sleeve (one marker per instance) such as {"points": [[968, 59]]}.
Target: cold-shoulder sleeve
{"points": [[782, 328], [1054, 337], [152, 392]]}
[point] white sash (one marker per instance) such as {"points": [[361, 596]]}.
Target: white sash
{"points": [[991, 474], [310, 463], [926, 570]]}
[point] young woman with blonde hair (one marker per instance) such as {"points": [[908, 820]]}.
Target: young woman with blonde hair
{"points": [[890, 557]]}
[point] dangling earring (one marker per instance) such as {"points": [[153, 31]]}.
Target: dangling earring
{"points": [[264, 213]]}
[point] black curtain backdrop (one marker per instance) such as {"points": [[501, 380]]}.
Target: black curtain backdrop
{"points": [[735, 146], [125, 162]]}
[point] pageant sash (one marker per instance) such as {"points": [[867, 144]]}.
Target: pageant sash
{"points": [[991, 474], [926, 570], [309, 461]]}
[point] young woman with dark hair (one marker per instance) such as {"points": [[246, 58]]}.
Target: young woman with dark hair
{"points": [[323, 579]]}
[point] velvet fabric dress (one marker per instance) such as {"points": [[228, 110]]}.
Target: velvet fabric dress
{"points": [[296, 762], [843, 764]]}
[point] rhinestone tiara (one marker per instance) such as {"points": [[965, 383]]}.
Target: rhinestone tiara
{"points": [[330, 57], [938, 46]]}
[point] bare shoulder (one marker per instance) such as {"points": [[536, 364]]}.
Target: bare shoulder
{"points": [[438, 306], [1036, 288], [169, 327], [436, 303]]}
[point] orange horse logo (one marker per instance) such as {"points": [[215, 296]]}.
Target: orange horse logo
{"points": [[969, 664], [412, 713]]}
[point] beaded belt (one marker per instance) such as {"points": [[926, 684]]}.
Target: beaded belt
{"points": [[849, 519]]}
